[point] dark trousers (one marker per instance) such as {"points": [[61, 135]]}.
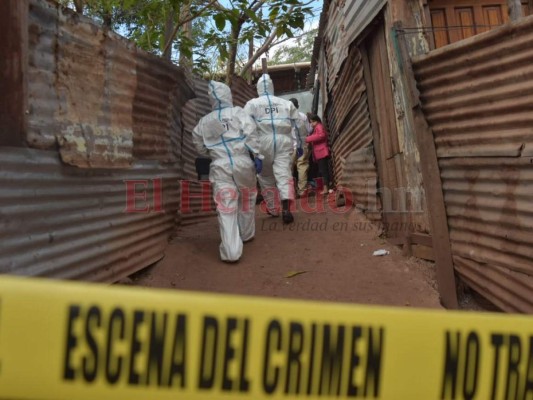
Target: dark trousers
{"points": [[323, 167]]}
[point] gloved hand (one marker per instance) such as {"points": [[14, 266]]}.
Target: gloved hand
{"points": [[258, 165], [299, 152]]}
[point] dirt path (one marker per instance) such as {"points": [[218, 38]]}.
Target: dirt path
{"points": [[328, 254]]}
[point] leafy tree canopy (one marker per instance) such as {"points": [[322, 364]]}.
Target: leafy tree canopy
{"points": [[205, 35], [299, 51]]}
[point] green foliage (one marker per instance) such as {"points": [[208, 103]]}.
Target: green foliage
{"points": [[301, 51], [211, 44]]}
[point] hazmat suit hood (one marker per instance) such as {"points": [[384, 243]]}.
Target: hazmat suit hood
{"points": [[220, 95], [265, 85]]}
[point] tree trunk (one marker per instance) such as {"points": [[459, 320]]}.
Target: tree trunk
{"points": [[232, 58], [107, 20], [169, 27], [249, 75], [260, 51], [185, 60], [78, 4]]}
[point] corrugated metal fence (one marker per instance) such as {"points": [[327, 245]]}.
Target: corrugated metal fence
{"points": [[478, 100], [97, 97], [103, 120], [351, 135], [346, 21], [71, 223]]}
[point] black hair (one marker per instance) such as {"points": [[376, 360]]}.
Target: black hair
{"points": [[314, 117], [294, 101]]}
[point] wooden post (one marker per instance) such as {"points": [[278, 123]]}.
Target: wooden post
{"points": [[264, 65], [432, 184], [514, 8], [250, 55], [13, 70]]}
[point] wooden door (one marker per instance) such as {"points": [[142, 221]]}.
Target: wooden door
{"points": [[454, 20]]}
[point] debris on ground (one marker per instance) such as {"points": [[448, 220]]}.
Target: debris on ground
{"points": [[292, 274]]}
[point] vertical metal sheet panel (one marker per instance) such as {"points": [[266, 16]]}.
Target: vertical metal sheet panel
{"points": [[14, 71], [358, 14], [478, 99], [242, 91], [350, 133], [43, 101], [95, 95], [192, 112], [346, 21], [162, 88], [71, 223], [95, 84], [478, 93], [360, 178]]}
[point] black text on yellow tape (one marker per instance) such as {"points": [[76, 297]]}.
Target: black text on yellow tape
{"points": [[78, 341], [295, 358], [507, 356]]}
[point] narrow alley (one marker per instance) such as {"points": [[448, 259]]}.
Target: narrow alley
{"points": [[321, 256]]}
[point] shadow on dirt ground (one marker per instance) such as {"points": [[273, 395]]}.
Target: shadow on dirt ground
{"points": [[322, 256]]}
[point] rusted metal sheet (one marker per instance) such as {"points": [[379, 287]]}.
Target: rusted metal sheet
{"points": [[356, 134], [43, 101], [70, 223], [497, 280], [95, 83], [162, 90], [360, 178], [488, 203], [200, 193], [241, 91], [477, 94], [97, 97], [346, 21], [358, 14], [350, 133], [13, 69], [336, 45], [477, 98], [103, 104]]}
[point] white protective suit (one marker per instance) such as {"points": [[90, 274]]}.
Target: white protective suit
{"points": [[301, 129], [226, 135], [275, 118]]}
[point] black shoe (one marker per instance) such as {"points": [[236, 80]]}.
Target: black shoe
{"points": [[287, 217]]}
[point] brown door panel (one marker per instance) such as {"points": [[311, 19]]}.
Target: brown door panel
{"points": [[454, 20]]}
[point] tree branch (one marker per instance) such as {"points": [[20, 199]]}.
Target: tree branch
{"points": [[258, 53], [263, 48], [190, 18], [257, 6], [294, 37]]}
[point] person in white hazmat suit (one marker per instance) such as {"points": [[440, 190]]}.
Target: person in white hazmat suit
{"points": [[229, 137], [301, 130], [275, 118]]}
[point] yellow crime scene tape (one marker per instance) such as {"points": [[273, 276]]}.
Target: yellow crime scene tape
{"points": [[70, 341]]}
